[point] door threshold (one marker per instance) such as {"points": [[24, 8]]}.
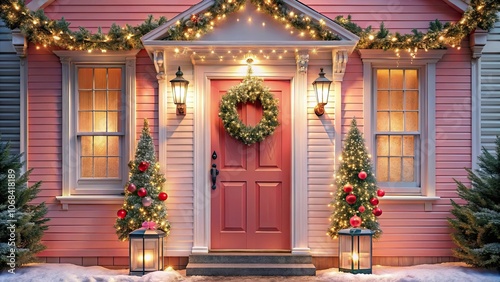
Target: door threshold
{"points": [[250, 251]]}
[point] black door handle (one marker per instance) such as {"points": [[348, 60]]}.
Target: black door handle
{"points": [[213, 174]]}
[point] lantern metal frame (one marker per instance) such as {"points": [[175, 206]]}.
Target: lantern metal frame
{"points": [[321, 84], [179, 84], [146, 237], [355, 250]]}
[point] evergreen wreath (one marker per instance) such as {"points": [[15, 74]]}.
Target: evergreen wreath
{"points": [[249, 90]]}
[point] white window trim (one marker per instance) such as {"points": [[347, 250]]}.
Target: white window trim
{"points": [[69, 60], [426, 63]]}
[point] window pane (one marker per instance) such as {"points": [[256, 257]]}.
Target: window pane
{"points": [[85, 100], [85, 78], [113, 122], [86, 142], [396, 145], [100, 168], [113, 167], [100, 78], [411, 101], [100, 146], [396, 98], [383, 100], [100, 110], [114, 100], [86, 167], [408, 170], [396, 79], [382, 79], [408, 146], [382, 145], [100, 100], [395, 173], [85, 121], [411, 79], [411, 122], [100, 122], [396, 121], [113, 146], [114, 78], [382, 169], [382, 121]]}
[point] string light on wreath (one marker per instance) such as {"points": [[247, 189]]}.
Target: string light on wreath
{"points": [[249, 90]]}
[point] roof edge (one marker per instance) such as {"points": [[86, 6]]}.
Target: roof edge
{"points": [[458, 5], [39, 4]]}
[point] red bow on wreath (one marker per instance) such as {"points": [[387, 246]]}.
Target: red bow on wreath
{"points": [[151, 225]]}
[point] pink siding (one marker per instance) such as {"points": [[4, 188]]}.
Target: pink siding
{"points": [[409, 230], [83, 230], [86, 230]]}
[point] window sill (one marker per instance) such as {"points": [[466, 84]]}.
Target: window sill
{"points": [[410, 199], [89, 200]]}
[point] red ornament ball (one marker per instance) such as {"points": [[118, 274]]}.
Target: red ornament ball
{"points": [[350, 199], [377, 211], [361, 209], [374, 201], [142, 192], [380, 193], [131, 188], [162, 196], [121, 213], [355, 221], [348, 188], [362, 175], [143, 166]]}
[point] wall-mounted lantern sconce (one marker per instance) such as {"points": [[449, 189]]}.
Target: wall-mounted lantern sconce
{"points": [[179, 92], [322, 89]]}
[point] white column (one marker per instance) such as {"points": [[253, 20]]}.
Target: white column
{"points": [[300, 244]]}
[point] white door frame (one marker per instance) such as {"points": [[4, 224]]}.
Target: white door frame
{"points": [[203, 74]]}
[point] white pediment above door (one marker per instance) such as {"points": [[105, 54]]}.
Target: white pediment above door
{"points": [[248, 29]]}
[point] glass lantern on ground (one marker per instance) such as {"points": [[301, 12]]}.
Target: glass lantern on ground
{"points": [[145, 251], [355, 250]]}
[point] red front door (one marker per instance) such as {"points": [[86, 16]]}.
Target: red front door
{"points": [[250, 207]]}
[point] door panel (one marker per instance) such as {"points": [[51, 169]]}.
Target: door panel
{"points": [[250, 207]]}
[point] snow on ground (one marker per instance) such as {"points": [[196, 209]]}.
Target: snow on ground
{"points": [[426, 273]]}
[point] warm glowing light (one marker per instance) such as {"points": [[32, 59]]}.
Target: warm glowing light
{"points": [[355, 257], [371, 37], [56, 37], [148, 259]]}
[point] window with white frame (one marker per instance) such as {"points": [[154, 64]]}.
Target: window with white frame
{"points": [[397, 126], [100, 132], [98, 123], [399, 114]]}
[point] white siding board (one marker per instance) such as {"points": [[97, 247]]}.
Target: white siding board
{"points": [[180, 171], [321, 161]]}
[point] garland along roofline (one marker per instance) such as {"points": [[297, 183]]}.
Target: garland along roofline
{"points": [[41, 30]]}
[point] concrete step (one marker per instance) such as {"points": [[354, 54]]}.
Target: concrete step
{"points": [[250, 264]]}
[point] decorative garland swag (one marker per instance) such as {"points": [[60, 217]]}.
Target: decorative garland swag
{"points": [[249, 90]]}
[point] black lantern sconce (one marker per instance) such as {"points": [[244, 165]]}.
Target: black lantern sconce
{"points": [[179, 92], [322, 89]]}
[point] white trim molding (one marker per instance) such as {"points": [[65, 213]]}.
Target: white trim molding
{"points": [[69, 60], [426, 63]]}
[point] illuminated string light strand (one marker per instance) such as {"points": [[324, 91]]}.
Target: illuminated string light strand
{"points": [[41, 30]]}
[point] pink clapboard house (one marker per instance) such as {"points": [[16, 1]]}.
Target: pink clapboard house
{"points": [[284, 185]]}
